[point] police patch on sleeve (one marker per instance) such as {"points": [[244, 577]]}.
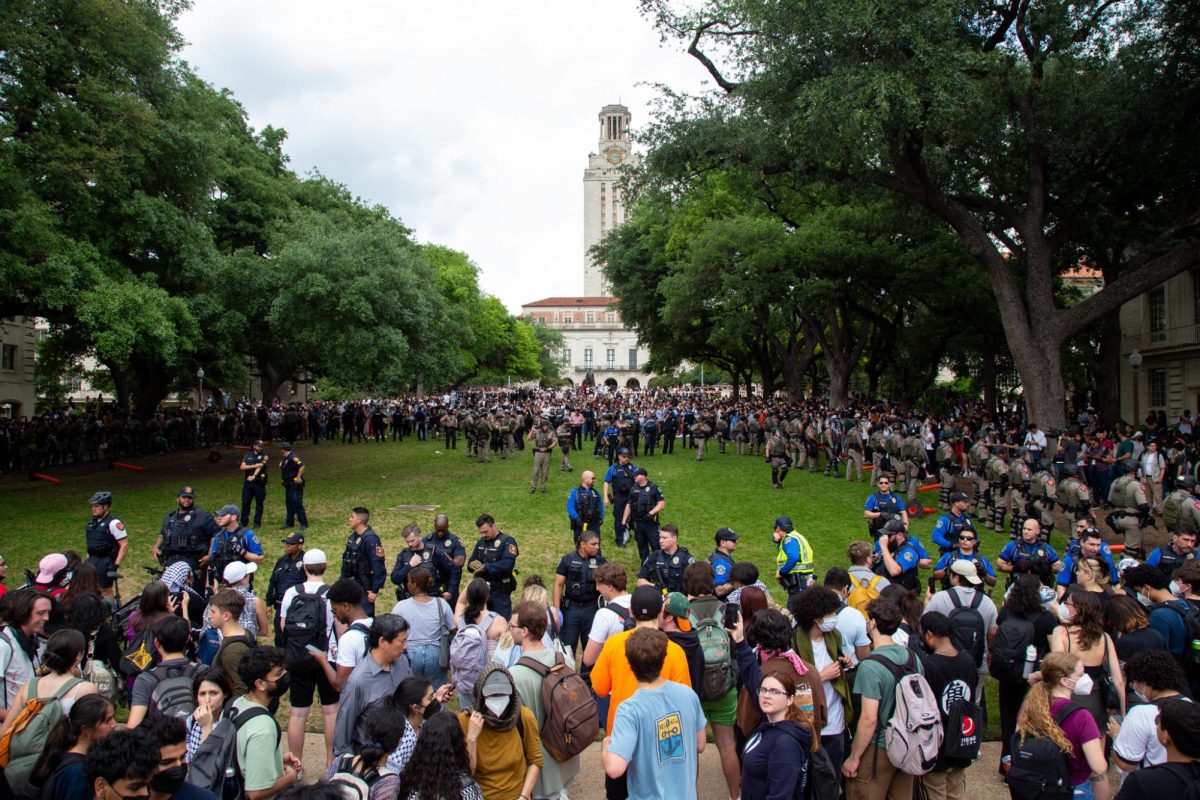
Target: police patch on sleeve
{"points": [[512, 549], [120, 525], [379, 550]]}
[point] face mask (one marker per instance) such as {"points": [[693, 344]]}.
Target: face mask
{"points": [[432, 709], [1140, 696], [113, 792], [169, 781], [1176, 589], [1143, 599], [281, 686], [67, 578], [497, 703], [1064, 612], [1083, 686], [828, 624]]}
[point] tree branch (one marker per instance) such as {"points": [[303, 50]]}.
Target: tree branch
{"points": [[1007, 16], [694, 50]]}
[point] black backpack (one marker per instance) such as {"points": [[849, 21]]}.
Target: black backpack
{"points": [[1191, 625], [824, 782], [1008, 651], [623, 614], [305, 625], [967, 630], [1039, 766]]}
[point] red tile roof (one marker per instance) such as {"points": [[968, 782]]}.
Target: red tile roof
{"points": [[555, 302]]}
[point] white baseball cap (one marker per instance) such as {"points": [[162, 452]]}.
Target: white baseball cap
{"points": [[237, 570], [314, 556]]}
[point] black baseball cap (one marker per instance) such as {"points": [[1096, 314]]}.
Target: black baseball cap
{"points": [[784, 524], [187, 491], [645, 603], [727, 535], [641, 471], [624, 451], [285, 445], [295, 538], [959, 497]]}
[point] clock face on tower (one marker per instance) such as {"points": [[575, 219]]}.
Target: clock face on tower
{"points": [[614, 155]]}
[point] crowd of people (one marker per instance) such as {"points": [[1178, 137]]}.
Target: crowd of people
{"points": [[869, 681]]}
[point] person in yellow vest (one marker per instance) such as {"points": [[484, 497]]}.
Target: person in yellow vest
{"points": [[794, 559]]}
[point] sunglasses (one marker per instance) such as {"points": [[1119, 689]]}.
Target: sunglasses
{"points": [[967, 539]]}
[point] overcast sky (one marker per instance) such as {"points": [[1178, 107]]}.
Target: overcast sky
{"points": [[471, 121]]}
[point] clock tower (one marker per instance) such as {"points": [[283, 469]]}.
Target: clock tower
{"points": [[603, 205]]}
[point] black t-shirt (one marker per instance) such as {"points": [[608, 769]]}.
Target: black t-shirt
{"points": [[950, 678], [1139, 641], [1162, 780]]}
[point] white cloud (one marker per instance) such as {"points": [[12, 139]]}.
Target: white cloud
{"points": [[471, 121]]}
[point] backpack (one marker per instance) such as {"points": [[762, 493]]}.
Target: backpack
{"points": [[349, 783], [628, 623], [572, 716], [1013, 640], [140, 655], [23, 742], [1191, 626], [172, 695], [469, 655], [305, 625], [207, 646], [823, 782], [97, 672], [717, 649], [862, 592], [1039, 767], [965, 723], [967, 630], [914, 733], [218, 752]]}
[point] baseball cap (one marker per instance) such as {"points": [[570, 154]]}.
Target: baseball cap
{"points": [[678, 606], [966, 569], [314, 556], [187, 491], [236, 570], [228, 508], [1124, 564], [727, 535], [641, 471], [624, 451], [959, 497], [784, 524], [294, 538], [894, 526], [285, 445], [50, 566], [258, 442], [645, 603]]}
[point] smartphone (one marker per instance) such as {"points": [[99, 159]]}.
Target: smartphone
{"points": [[312, 648], [731, 615]]}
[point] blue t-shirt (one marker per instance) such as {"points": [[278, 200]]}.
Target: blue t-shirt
{"points": [[252, 543], [1170, 624], [655, 731], [909, 554], [954, 555], [1067, 576]]}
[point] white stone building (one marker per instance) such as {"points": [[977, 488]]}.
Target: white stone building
{"points": [[18, 350]]}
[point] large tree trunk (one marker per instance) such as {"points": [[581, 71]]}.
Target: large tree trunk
{"points": [[120, 384], [1107, 398], [271, 378]]}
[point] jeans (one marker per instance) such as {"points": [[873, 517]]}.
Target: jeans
{"points": [[1083, 791], [423, 659]]}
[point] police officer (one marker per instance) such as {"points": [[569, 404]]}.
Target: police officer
{"points": [[664, 566], [1074, 496], [777, 457], [107, 540], [883, 506], [584, 506], [967, 550], [831, 440], [701, 433], [1128, 497], [186, 535], [721, 561], [854, 448], [1180, 511], [1171, 557], [441, 538], [1044, 495], [449, 424], [1089, 544], [292, 470], [618, 483], [495, 559], [948, 527], [254, 487], [232, 543], [288, 572], [575, 593], [995, 471], [899, 556], [645, 503], [564, 436], [977, 456], [1020, 491], [418, 553], [944, 456], [1029, 554], [794, 558], [362, 560], [543, 442]]}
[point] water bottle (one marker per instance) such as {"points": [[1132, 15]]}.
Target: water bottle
{"points": [[229, 789], [1030, 661]]}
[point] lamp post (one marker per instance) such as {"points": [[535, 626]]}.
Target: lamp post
{"points": [[1135, 361], [200, 388]]}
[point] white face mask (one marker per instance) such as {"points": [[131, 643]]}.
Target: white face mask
{"points": [[1083, 685], [1064, 612], [828, 624], [1176, 589], [497, 703], [1144, 599]]}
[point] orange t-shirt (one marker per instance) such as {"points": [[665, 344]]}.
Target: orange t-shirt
{"points": [[612, 676]]}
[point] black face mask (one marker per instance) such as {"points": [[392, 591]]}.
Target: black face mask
{"points": [[281, 686], [145, 796], [169, 781]]}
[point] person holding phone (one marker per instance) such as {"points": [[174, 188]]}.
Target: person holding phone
{"points": [[818, 642]]}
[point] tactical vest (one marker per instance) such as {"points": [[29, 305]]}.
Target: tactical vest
{"points": [[1043, 484], [1169, 560], [356, 565], [957, 526], [804, 564], [543, 439], [1018, 475], [180, 536], [995, 469], [668, 569], [490, 552], [975, 456], [426, 555], [876, 440], [1121, 493], [100, 542], [587, 506], [945, 455], [580, 585], [1034, 559], [230, 547], [622, 479], [1172, 509], [642, 500], [913, 449]]}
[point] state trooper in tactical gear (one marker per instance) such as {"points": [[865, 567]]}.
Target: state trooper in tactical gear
{"points": [[876, 440], [777, 457], [664, 567], [1074, 497], [996, 473], [883, 506], [232, 543], [912, 460], [292, 471], [254, 487], [418, 553], [1029, 554], [793, 559], [1129, 498], [645, 503], [854, 448], [1043, 496], [584, 506], [1020, 480], [563, 434], [288, 572], [1171, 557], [944, 456], [186, 535], [441, 538], [618, 483], [543, 442], [831, 441], [721, 561], [107, 540], [1180, 510], [701, 433], [977, 456], [951, 524], [363, 559], [741, 434], [575, 590], [495, 560]]}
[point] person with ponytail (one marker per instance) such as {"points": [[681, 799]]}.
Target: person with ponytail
{"points": [[775, 759], [59, 771], [60, 666], [1062, 680], [413, 701], [383, 729]]}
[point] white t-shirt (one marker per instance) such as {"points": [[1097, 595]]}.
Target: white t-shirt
{"points": [[852, 625], [352, 645], [1137, 741], [311, 587], [606, 623], [16, 669], [835, 722]]}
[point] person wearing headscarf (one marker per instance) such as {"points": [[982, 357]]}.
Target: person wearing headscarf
{"points": [[506, 731]]}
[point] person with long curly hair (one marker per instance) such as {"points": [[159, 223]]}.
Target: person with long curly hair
{"points": [[1082, 633], [1063, 680], [818, 642], [384, 727], [1024, 602], [439, 768]]}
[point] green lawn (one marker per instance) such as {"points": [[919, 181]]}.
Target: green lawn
{"points": [[723, 490]]}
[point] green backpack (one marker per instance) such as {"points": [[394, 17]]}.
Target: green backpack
{"points": [[24, 741]]}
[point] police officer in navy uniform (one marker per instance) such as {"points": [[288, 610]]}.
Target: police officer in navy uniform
{"points": [[419, 554], [292, 471], [441, 538], [495, 559], [1029, 554], [721, 561], [575, 592], [884, 506], [288, 572], [665, 565], [584, 506], [186, 535], [618, 483], [645, 502], [107, 540], [254, 487], [362, 560], [948, 527], [232, 543]]}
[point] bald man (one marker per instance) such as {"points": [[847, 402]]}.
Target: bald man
{"points": [[585, 507]]}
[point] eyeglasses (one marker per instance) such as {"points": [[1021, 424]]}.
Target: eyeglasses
{"points": [[766, 691], [967, 539]]}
